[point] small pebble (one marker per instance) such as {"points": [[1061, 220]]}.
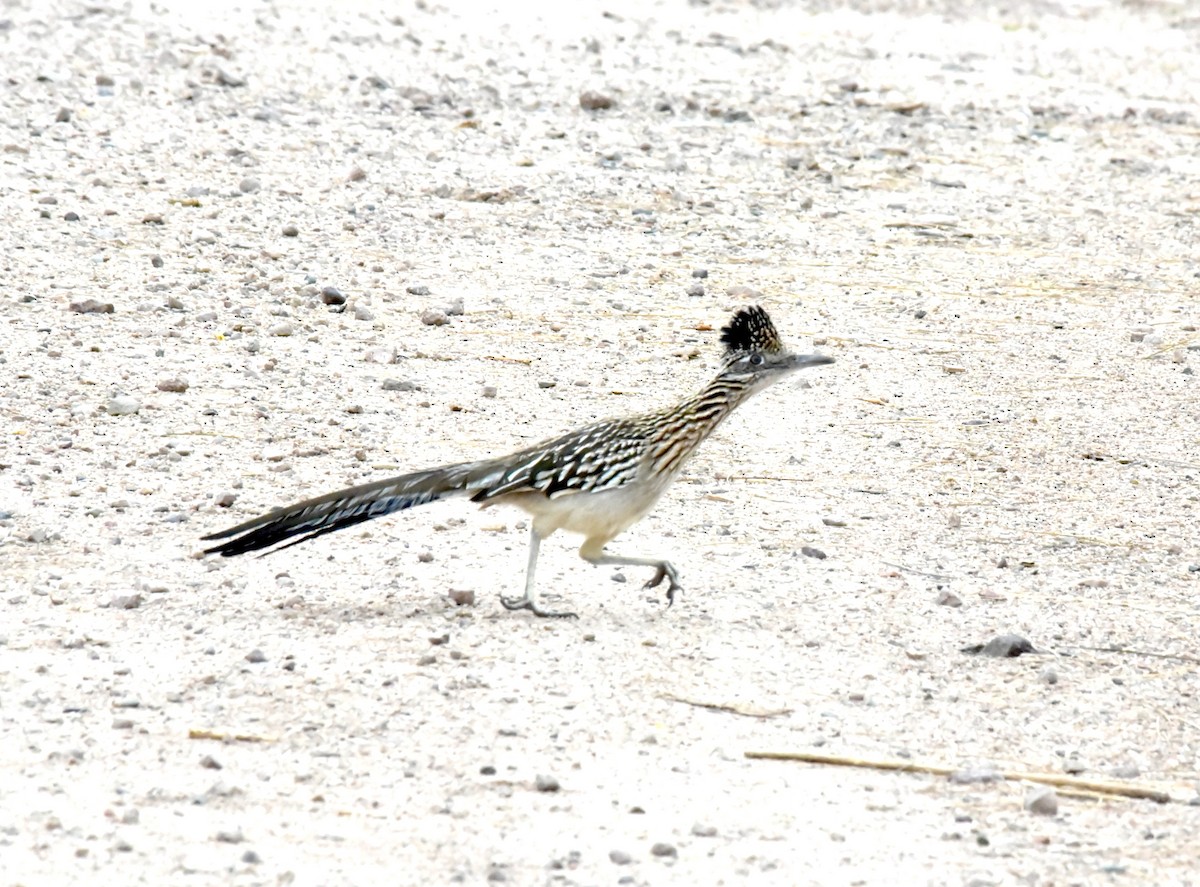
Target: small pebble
{"points": [[1002, 646], [251, 858], [489, 390], [125, 602], [203, 235], [91, 306], [417, 290], [331, 295], [249, 185], [700, 830], [399, 385], [948, 599], [291, 231], [664, 849], [1048, 675], [72, 216], [547, 383], [809, 551], [696, 290], [1042, 800], [174, 385], [256, 655], [619, 857], [462, 597], [700, 273], [208, 762], [972, 775], [544, 783], [123, 405], [283, 328], [229, 837], [456, 308], [746, 293], [595, 101], [434, 317], [362, 312]]}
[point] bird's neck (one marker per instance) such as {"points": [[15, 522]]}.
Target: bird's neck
{"points": [[686, 426]]}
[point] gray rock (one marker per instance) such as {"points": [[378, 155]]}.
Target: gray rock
{"points": [[434, 317], [1002, 646], [595, 101], [91, 306], [1042, 800], [123, 405]]}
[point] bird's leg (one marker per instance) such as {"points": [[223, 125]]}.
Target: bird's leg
{"points": [[526, 602], [594, 554]]}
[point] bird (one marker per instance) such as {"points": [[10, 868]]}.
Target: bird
{"points": [[596, 481]]}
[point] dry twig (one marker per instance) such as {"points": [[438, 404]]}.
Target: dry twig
{"points": [[226, 737], [744, 710], [1103, 788]]}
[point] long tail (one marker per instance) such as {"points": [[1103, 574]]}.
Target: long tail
{"points": [[345, 508]]}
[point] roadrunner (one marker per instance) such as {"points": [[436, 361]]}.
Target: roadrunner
{"points": [[597, 481]]}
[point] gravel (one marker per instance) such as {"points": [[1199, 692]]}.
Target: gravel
{"points": [[1006, 192]]}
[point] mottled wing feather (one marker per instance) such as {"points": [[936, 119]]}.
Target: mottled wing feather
{"points": [[601, 456]]}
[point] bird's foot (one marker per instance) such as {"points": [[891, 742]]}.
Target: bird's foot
{"points": [[527, 603], [666, 571]]}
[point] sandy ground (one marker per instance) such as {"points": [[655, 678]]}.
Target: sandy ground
{"points": [[986, 214]]}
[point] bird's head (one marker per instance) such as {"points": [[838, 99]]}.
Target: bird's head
{"points": [[754, 353]]}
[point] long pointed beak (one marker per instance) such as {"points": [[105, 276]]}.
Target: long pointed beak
{"points": [[803, 361]]}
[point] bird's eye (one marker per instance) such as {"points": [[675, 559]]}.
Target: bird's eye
{"points": [[756, 359]]}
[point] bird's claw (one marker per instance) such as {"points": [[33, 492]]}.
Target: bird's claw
{"points": [[665, 571], [527, 603]]}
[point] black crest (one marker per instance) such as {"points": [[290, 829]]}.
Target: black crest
{"points": [[750, 330]]}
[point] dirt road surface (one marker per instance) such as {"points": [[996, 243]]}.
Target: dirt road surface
{"points": [[987, 214]]}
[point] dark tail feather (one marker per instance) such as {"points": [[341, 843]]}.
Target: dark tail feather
{"points": [[341, 509]]}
